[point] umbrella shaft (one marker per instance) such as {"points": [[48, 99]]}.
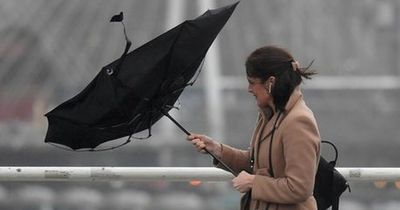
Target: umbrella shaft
{"points": [[188, 133], [176, 122], [222, 163]]}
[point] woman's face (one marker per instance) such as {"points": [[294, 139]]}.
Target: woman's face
{"points": [[260, 91]]}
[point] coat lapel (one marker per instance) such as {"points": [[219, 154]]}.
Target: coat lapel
{"points": [[268, 127]]}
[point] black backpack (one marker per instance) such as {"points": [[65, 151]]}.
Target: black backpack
{"points": [[329, 183]]}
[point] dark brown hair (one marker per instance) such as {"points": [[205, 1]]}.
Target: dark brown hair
{"points": [[274, 61]]}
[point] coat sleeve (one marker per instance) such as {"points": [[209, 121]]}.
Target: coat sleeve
{"points": [[238, 160], [301, 142]]}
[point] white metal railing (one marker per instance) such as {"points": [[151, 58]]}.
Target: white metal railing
{"points": [[162, 174]]}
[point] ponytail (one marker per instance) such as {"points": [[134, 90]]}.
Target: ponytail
{"points": [[306, 72]]}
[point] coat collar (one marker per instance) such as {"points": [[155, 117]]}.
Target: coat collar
{"points": [[293, 99], [268, 117]]}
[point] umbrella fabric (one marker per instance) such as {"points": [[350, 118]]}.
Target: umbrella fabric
{"points": [[133, 92]]}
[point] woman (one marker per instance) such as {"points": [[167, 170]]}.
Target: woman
{"points": [[278, 171]]}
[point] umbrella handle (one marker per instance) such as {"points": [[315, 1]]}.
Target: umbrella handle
{"points": [[188, 133]]}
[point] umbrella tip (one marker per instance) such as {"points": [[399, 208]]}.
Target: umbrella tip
{"points": [[117, 18]]}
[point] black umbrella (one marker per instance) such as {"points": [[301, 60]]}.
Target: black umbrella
{"points": [[133, 92]]}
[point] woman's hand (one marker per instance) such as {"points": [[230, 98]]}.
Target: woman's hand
{"points": [[201, 142], [243, 182]]}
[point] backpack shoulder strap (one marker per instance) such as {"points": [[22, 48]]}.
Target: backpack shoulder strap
{"points": [[334, 147]]}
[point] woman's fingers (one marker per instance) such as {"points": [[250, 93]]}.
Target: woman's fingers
{"points": [[194, 136], [202, 143], [190, 137], [199, 145]]}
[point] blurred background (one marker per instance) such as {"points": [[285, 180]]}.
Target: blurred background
{"points": [[51, 49]]}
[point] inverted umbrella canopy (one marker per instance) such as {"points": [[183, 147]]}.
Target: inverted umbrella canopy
{"points": [[133, 92]]}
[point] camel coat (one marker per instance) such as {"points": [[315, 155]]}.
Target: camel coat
{"points": [[295, 156]]}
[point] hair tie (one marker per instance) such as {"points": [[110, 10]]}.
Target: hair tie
{"points": [[295, 65]]}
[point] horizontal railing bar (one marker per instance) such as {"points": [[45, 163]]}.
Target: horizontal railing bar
{"points": [[113, 174], [143, 174], [371, 174]]}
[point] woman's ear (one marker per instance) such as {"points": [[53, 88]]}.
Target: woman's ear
{"points": [[271, 80], [269, 84]]}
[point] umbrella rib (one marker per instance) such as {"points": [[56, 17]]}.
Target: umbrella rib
{"points": [[198, 73]]}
